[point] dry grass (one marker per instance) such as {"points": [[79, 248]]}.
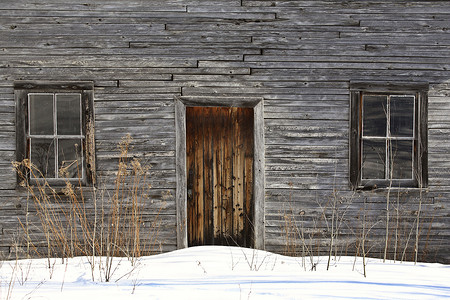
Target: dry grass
{"points": [[76, 220], [340, 230]]}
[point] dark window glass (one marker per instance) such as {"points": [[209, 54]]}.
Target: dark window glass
{"points": [[69, 158], [401, 159], [43, 157], [41, 114], [374, 159], [402, 116], [374, 115], [68, 114]]}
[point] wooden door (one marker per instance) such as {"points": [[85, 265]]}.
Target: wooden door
{"points": [[219, 148]]}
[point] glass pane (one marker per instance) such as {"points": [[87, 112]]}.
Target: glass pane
{"points": [[373, 159], [402, 159], [69, 158], [68, 114], [374, 115], [41, 113], [43, 157], [402, 116]]}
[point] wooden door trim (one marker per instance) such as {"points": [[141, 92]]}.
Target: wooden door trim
{"points": [[258, 160]]}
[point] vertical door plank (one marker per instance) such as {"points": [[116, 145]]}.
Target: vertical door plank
{"points": [[238, 176], [217, 174], [248, 149], [190, 171], [195, 230], [223, 172], [235, 168], [199, 176], [229, 175], [207, 173], [219, 150], [193, 174]]}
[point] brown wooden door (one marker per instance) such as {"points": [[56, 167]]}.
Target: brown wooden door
{"points": [[219, 148]]}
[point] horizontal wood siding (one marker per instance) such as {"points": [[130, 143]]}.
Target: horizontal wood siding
{"points": [[299, 56]]}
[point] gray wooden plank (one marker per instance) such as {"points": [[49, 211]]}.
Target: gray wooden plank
{"points": [[261, 28], [85, 29], [156, 163], [177, 50], [328, 65], [402, 38], [260, 90], [18, 61], [153, 15], [97, 5], [369, 50], [341, 58]]}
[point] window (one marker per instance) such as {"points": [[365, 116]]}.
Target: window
{"points": [[55, 130], [388, 140]]}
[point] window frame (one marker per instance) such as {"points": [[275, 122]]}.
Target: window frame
{"points": [[420, 139], [22, 90]]}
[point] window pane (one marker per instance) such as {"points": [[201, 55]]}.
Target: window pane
{"points": [[68, 114], [41, 113], [69, 158], [374, 115], [373, 159], [402, 116], [401, 159], [43, 157]]}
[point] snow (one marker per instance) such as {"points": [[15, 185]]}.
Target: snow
{"points": [[216, 272]]}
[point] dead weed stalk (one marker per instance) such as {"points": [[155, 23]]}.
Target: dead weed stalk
{"points": [[71, 222]]}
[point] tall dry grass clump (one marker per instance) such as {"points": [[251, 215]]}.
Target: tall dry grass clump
{"points": [[75, 219]]}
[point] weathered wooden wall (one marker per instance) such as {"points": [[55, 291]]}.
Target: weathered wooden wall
{"points": [[298, 55]]}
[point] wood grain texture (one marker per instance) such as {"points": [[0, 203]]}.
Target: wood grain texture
{"points": [[291, 62], [219, 149]]}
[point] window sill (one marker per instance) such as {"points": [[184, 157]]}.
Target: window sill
{"points": [[57, 188], [388, 185]]}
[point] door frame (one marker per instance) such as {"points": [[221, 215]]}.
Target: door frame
{"points": [[181, 102]]}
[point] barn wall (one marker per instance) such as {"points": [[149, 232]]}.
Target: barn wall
{"points": [[299, 56]]}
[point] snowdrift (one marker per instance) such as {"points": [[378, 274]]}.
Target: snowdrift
{"points": [[216, 272]]}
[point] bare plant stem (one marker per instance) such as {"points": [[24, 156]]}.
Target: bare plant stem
{"points": [[65, 225], [27, 231], [407, 241], [388, 196], [332, 229], [416, 248], [387, 225], [397, 217], [363, 242]]}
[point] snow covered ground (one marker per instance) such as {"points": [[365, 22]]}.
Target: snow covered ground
{"points": [[222, 273]]}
